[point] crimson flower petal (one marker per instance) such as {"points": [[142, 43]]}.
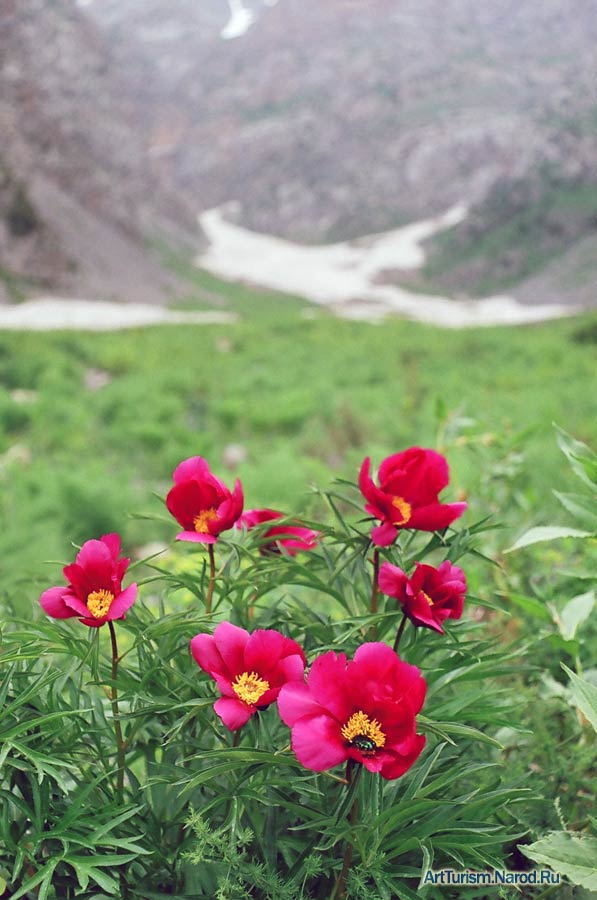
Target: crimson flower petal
{"points": [[327, 683], [196, 538], [295, 701], [266, 647], [122, 602], [422, 613], [317, 743], [233, 713], [384, 535], [401, 764], [194, 467], [112, 542], [231, 642], [52, 602], [206, 654], [407, 495], [436, 516], [94, 585], [392, 581]]}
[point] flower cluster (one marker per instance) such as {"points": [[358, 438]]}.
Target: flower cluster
{"points": [[430, 596], [201, 503], [361, 711], [291, 537], [94, 591], [407, 496], [249, 670]]}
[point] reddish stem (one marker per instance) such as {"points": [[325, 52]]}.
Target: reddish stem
{"points": [[374, 591], [212, 578], [120, 744], [400, 632]]}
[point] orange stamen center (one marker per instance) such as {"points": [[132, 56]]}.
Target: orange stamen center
{"points": [[404, 508], [200, 521], [363, 733], [427, 598], [99, 602], [249, 687]]}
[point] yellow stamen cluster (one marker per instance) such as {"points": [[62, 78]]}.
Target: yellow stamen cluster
{"points": [[427, 598], [249, 687], [404, 508], [200, 521], [363, 732], [99, 602]]}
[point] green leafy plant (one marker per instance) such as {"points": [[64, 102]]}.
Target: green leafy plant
{"points": [[570, 853], [119, 779]]}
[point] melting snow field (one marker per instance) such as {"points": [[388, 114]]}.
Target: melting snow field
{"points": [[343, 276], [54, 313], [240, 21]]}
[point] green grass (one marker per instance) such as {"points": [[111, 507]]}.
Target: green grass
{"points": [[535, 235], [307, 397]]}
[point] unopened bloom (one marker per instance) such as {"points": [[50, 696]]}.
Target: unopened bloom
{"points": [[362, 710], [94, 590], [249, 669], [201, 503], [407, 496], [292, 537], [430, 595]]}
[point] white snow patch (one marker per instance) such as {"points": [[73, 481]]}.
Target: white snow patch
{"points": [[240, 21], [55, 313], [343, 276]]}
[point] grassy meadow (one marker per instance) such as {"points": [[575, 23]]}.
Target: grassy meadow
{"points": [[93, 424]]}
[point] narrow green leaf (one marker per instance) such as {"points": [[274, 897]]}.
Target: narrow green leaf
{"points": [[581, 505], [582, 459], [584, 695], [444, 729], [427, 861], [530, 605], [38, 878], [547, 533], [574, 614]]}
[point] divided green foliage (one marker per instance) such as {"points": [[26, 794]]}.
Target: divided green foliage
{"points": [[208, 815], [91, 424]]}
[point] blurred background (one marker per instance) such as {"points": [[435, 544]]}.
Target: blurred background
{"points": [[290, 179]]}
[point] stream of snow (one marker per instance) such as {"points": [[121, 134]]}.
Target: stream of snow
{"points": [[240, 20], [345, 276], [56, 313]]}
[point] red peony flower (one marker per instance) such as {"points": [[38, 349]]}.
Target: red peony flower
{"points": [[202, 503], [409, 483], [430, 595], [249, 669], [292, 537], [362, 710], [94, 590]]}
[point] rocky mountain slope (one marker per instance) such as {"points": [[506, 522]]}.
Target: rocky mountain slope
{"points": [[78, 197], [330, 120], [316, 121]]}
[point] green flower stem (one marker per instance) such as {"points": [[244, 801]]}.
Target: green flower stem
{"points": [[375, 587], [212, 578], [340, 888], [374, 592], [120, 743], [399, 632]]}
